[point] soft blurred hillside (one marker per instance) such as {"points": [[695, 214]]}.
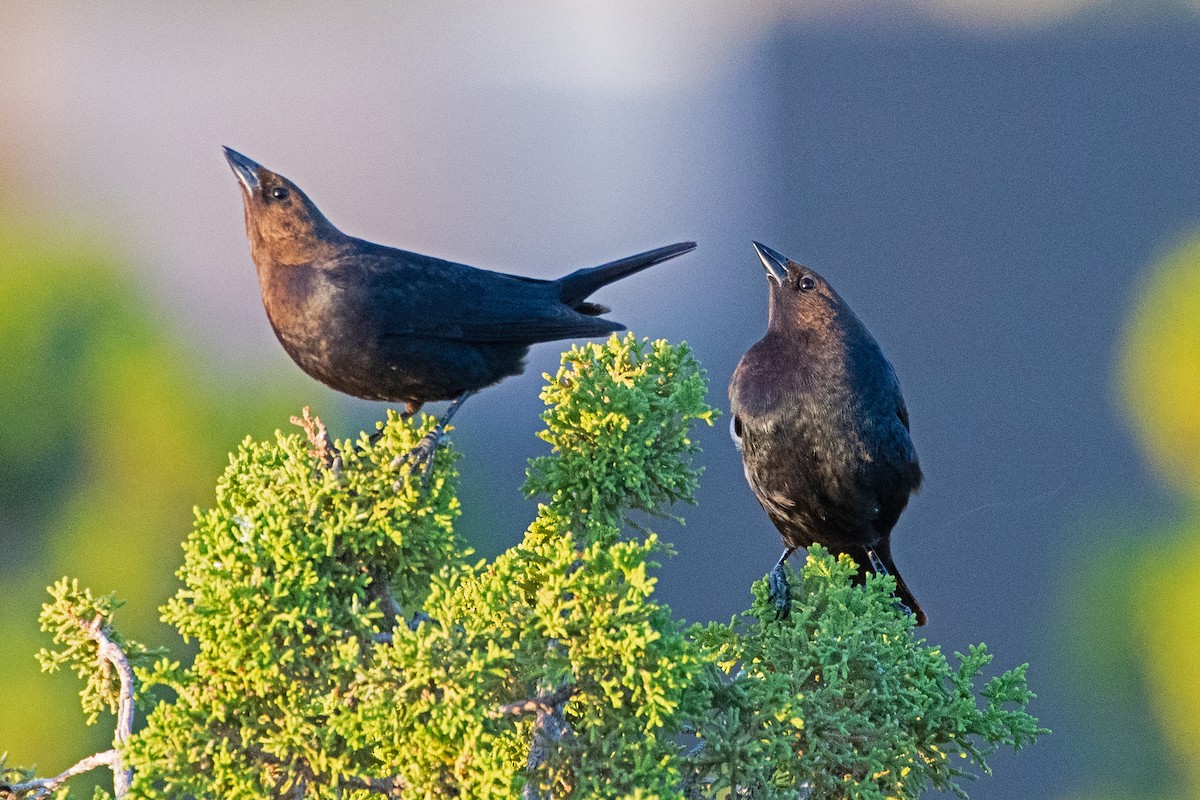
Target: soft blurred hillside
{"points": [[113, 430]]}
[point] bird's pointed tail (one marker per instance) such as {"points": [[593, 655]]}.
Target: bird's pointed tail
{"points": [[879, 559], [575, 288]]}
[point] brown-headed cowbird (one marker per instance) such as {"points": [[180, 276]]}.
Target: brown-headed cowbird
{"points": [[386, 324], [822, 426]]}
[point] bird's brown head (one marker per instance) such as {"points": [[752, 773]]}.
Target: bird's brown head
{"points": [[799, 295], [283, 225]]}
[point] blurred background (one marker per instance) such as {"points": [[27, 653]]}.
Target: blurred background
{"points": [[1007, 192]]}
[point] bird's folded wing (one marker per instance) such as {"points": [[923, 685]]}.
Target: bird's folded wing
{"points": [[431, 298], [490, 327]]}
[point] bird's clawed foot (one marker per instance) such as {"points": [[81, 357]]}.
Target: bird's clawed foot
{"points": [[780, 591], [421, 456], [877, 565]]}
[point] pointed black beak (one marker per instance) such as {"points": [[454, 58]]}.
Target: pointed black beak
{"points": [[775, 263], [245, 170]]}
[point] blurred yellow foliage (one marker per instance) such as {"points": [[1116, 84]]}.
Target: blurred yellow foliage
{"points": [[1159, 374], [1167, 600], [1160, 367]]}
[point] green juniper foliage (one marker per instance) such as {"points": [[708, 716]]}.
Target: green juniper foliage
{"points": [[348, 646], [618, 421], [72, 614], [841, 700]]}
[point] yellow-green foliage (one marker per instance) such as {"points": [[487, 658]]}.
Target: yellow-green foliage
{"points": [[73, 609], [618, 421], [841, 700], [303, 687], [111, 433], [1166, 605]]}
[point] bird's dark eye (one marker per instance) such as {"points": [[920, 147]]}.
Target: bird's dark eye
{"points": [[807, 283], [279, 192]]}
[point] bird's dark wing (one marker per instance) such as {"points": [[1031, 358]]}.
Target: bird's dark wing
{"points": [[420, 296], [904, 454], [893, 472]]}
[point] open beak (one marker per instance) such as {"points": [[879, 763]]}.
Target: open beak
{"points": [[775, 263], [245, 170]]}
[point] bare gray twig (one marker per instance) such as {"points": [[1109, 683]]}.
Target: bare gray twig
{"points": [[115, 657], [546, 703], [381, 591], [388, 787], [111, 657], [44, 787]]}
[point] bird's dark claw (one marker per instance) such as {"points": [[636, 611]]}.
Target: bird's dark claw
{"points": [[421, 457], [780, 591]]}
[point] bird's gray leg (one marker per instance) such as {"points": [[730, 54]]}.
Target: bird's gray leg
{"points": [[421, 456], [777, 583]]}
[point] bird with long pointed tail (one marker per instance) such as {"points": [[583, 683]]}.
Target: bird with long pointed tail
{"points": [[385, 324], [822, 427]]}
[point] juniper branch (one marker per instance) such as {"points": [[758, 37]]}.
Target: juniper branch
{"points": [[112, 654], [44, 787]]}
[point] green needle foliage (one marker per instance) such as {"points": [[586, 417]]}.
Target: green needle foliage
{"points": [[841, 701], [74, 618], [618, 421], [288, 581], [348, 647]]}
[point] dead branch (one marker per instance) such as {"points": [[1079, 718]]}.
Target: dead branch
{"points": [[318, 436], [44, 787]]}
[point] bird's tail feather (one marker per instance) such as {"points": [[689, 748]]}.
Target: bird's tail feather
{"points": [[879, 559], [575, 288], [906, 597]]}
